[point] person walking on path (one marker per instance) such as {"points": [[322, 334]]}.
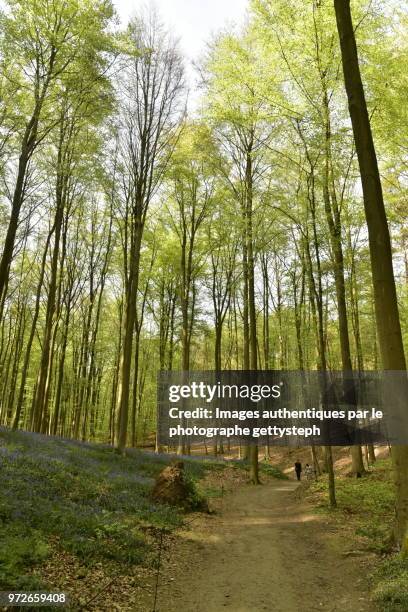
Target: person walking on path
{"points": [[298, 469], [309, 472]]}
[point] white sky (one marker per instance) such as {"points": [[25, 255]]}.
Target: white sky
{"points": [[193, 21]]}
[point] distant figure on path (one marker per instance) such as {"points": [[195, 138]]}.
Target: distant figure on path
{"points": [[309, 472], [298, 469]]}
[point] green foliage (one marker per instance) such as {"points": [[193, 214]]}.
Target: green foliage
{"points": [[368, 505], [391, 590], [368, 501], [64, 39], [20, 549], [272, 470], [196, 499]]}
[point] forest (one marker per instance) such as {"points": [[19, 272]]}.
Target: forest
{"points": [[251, 217]]}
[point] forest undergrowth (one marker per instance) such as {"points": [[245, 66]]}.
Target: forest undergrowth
{"points": [[364, 514], [77, 517]]}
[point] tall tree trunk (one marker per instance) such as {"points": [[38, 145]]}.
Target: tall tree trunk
{"points": [[43, 375], [317, 302], [60, 376], [129, 320], [333, 218], [27, 356], [266, 334], [253, 345], [385, 295]]}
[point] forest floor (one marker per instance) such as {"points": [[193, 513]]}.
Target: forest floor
{"points": [[78, 518], [265, 549]]}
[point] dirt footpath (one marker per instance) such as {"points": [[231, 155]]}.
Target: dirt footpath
{"points": [[262, 550]]}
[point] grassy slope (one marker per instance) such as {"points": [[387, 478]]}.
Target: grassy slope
{"points": [[365, 514], [72, 515], [77, 501]]}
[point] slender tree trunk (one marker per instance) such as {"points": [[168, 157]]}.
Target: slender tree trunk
{"points": [[17, 350], [60, 377], [266, 333], [43, 375], [135, 385], [28, 145], [17, 202], [317, 293], [253, 345]]}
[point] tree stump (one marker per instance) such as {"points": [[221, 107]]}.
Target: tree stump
{"points": [[171, 487]]}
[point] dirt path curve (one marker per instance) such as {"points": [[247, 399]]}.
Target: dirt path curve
{"points": [[263, 550]]}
